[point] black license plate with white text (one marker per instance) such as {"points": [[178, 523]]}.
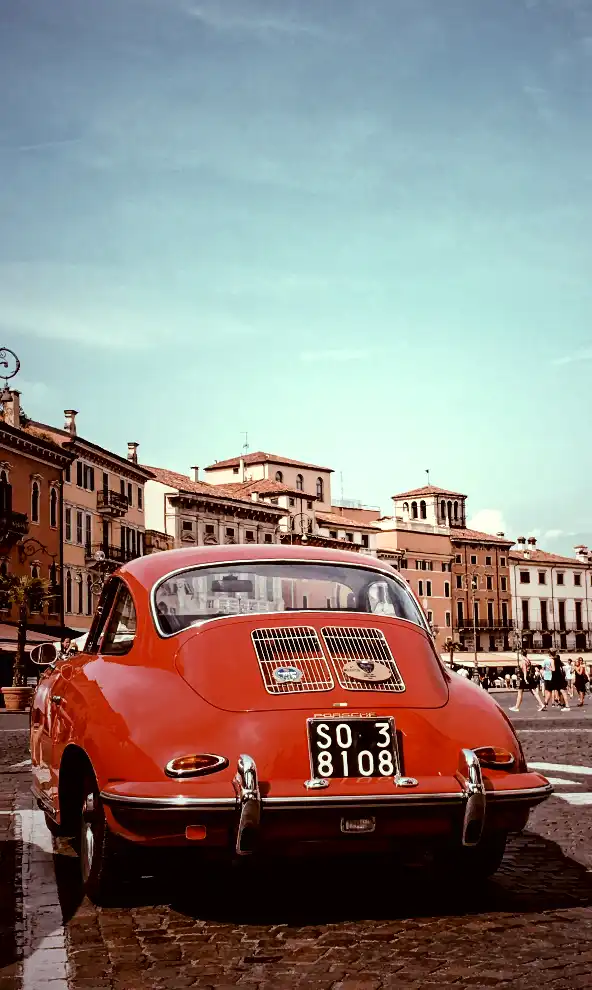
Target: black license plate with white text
{"points": [[362, 747]]}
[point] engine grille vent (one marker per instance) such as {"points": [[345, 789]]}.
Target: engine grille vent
{"points": [[295, 647], [346, 645]]}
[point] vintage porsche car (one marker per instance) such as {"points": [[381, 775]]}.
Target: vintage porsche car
{"points": [[271, 700]]}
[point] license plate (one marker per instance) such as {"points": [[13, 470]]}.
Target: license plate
{"points": [[362, 747]]}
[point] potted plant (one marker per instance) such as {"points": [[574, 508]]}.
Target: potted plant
{"points": [[27, 595]]}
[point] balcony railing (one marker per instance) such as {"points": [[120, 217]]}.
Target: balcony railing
{"points": [[111, 503], [13, 526], [468, 623], [154, 541], [555, 625], [113, 555]]}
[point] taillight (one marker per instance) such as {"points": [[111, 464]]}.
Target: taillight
{"points": [[494, 757], [196, 765]]}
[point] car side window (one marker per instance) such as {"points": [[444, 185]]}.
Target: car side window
{"points": [[121, 627]]}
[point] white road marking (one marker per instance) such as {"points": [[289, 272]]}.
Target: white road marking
{"points": [[46, 964], [562, 768], [577, 799], [561, 780], [523, 732]]}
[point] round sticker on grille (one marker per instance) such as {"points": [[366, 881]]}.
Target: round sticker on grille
{"points": [[367, 670], [286, 675]]}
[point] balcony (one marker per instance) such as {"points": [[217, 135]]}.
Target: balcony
{"points": [[555, 625], [114, 556], [484, 624], [14, 526], [112, 504], [155, 542]]}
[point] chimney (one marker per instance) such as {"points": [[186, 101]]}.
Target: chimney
{"points": [[521, 540], [195, 470], [132, 452], [501, 534], [241, 469], [254, 496], [70, 424], [532, 541], [11, 400]]}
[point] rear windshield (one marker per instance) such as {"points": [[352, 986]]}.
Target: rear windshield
{"points": [[193, 596]]}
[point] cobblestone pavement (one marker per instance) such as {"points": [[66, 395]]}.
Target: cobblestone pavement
{"points": [[325, 926]]}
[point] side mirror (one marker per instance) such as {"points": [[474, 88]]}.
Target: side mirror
{"points": [[43, 655]]}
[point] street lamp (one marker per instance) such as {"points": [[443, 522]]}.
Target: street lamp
{"points": [[474, 588]]}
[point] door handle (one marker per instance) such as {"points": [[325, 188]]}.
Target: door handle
{"points": [[56, 699]]}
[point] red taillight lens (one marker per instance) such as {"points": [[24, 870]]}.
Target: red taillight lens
{"points": [[494, 757], [196, 765]]}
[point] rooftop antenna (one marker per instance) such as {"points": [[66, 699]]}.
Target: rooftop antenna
{"points": [[428, 474], [246, 443]]}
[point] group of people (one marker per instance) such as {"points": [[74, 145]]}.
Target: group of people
{"points": [[553, 681]]}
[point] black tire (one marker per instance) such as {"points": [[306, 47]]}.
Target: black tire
{"points": [[97, 846], [475, 864]]}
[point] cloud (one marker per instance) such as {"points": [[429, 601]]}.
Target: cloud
{"points": [[336, 355], [252, 20], [573, 358], [488, 521], [553, 534], [96, 307], [30, 390]]}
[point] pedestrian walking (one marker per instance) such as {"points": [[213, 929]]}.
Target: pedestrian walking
{"points": [[580, 680], [558, 684], [568, 669], [526, 682]]}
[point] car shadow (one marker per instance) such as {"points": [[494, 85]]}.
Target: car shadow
{"points": [[535, 876]]}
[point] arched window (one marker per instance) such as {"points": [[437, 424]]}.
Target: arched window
{"points": [[414, 510], [279, 476], [450, 512], [443, 510], [89, 597], [80, 584], [35, 502], [406, 507], [422, 510], [5, 493], [53, 508], [35, 571], [68, 592], [456, 511], [320, 489], [299, 483]]}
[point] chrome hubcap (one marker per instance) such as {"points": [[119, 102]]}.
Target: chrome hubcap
{"points": [[87, 838]]}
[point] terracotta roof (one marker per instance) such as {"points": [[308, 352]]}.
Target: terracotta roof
{"points": [[342, 522], [542, 557], [69, 441], [265, 486], [473, 535], [183, 483], [260, 457], [428, 490]]}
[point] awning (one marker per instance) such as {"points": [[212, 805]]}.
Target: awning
{"points": [[507, 659], [9, 637]]}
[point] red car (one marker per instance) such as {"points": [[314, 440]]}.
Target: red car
{"points": [[271, 700]]}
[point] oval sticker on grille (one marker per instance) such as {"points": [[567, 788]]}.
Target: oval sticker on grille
{"points": [[367, 670], [285, 675]]}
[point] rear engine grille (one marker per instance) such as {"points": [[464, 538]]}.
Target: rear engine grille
{"points": [[346, 645], [293, 647]]}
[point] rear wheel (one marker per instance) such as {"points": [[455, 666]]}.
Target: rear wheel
{"points": [[97, 846]]}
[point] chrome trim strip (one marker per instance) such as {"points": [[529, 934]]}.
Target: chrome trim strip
{"points": [[43, 802], [420, 624], [321, 800], [172, 803]]}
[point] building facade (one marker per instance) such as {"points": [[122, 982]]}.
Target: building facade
{"points": [[195, 513], [481, 592], [103, 516], [32, 470], [299, 476], [552, 598]]}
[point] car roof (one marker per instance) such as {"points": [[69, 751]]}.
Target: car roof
{"points": [[149, 569]]}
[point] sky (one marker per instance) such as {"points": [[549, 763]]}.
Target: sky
{"points": [[357, 231]]}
